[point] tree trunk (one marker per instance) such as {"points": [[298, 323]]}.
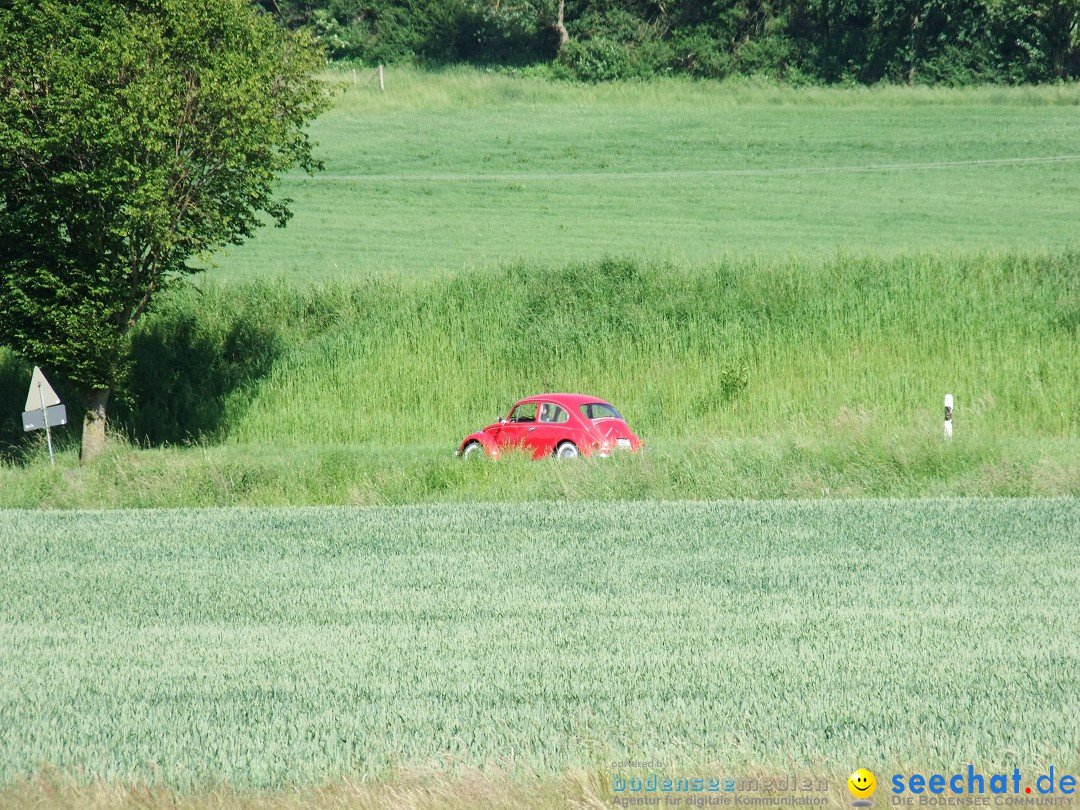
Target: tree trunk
{"points": [[93, 432], [560, 25]]}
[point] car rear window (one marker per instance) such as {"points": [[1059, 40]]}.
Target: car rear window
{"points": [[599, 410]]}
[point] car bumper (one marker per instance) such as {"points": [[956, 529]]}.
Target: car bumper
{"points": [[608, 449]]}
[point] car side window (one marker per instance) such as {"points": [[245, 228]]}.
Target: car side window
{"points": [[525, 412], [553, 414]]}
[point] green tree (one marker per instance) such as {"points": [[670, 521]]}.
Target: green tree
{"points": [[135, 135]]}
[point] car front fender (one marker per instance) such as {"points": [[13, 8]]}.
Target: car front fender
{"points": [[489, 444]]}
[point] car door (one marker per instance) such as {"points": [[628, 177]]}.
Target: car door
{"points": [[517, 429], [552, 427]]}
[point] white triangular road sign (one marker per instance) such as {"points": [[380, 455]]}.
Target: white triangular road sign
{"points": [[35, 399]]}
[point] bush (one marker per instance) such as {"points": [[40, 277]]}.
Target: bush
{"points": [[513, 38], [697, 53], [596, 60]]}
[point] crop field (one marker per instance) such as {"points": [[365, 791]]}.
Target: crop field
{"points": [[464, 170], [265, 648]]}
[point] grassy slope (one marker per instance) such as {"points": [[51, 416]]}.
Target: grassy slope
{"points": [[567, 157], [264, 647], [741, 348], [760, 379]]}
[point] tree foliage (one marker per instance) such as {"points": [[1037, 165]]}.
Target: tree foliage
{"points": [[134, 136], [933, 41]]}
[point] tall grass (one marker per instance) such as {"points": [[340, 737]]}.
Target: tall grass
{"points": [[858, 464], [746, 349], [750, 378], [411, 88]]}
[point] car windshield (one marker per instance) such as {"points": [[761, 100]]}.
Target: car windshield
{"points": [[524, 412], [599, 410]]}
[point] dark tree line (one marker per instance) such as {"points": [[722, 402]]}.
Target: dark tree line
{"points": [[931, 41]]}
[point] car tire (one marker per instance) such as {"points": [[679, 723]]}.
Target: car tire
{"points": [[473, 450], [567, 450]]}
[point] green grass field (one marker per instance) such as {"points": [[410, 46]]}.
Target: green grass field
{"points": [[462, 169], [810, 358], [776, 286], [292, 647]]}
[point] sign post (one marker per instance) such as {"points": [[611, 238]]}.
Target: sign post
{"points": [[948, 415], [43, 409]]}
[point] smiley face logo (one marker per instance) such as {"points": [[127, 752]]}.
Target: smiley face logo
{"points": [[862, 784]]}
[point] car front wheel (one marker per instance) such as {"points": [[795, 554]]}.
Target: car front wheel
{"points": [[473, 450], [567, 450]]}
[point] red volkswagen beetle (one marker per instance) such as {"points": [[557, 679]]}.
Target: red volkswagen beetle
{"points": [[560, 425]]}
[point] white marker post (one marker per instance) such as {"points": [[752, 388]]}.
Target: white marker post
{"points": [[948, 415]]}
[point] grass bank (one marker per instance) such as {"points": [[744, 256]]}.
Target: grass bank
{"points": [[757, 378], [741, 348]]}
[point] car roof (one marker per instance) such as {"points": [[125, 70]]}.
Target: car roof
{"points": [[568, 400]]}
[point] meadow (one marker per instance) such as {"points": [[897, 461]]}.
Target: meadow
{"points": [[775, 285], [462, 169], [298, 647]]}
